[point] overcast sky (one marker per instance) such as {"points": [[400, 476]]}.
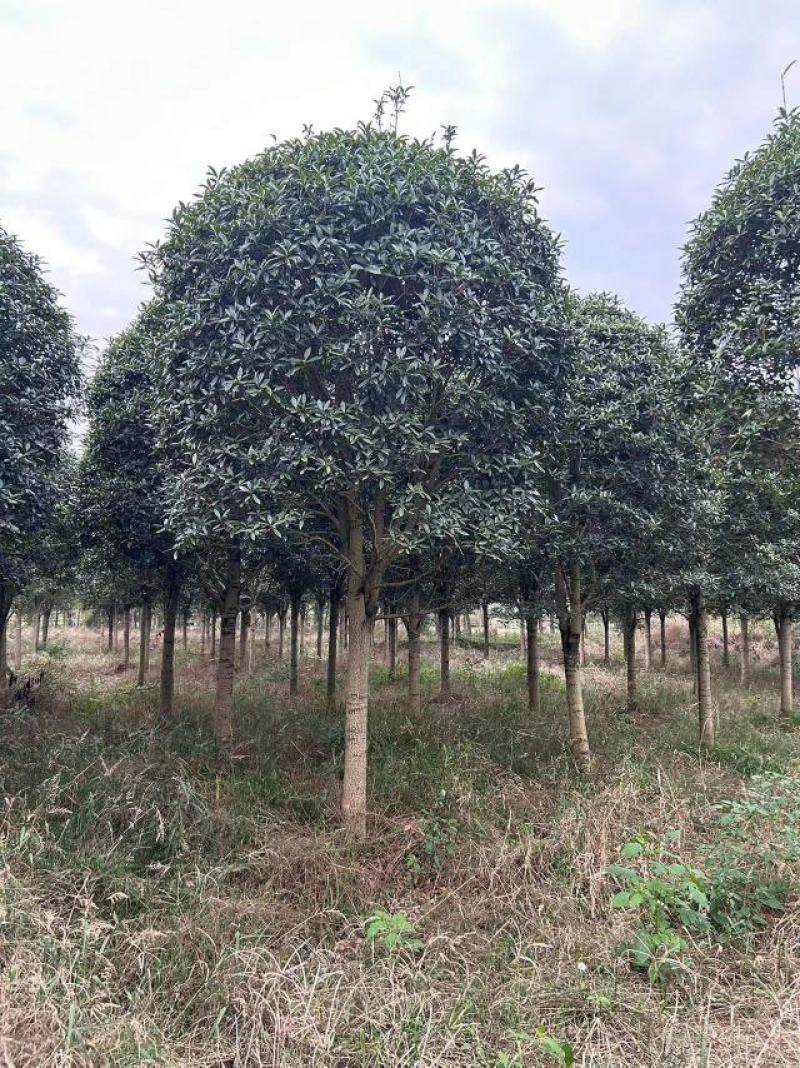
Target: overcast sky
{"points": [[627, 113]]}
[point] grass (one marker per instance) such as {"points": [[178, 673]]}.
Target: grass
{"points": [[159, 909]]}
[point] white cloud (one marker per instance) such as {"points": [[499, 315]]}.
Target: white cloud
{"points": [[41, 233], [626, 110]]}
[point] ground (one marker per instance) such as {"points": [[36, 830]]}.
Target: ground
{"points": [[162, 907]]}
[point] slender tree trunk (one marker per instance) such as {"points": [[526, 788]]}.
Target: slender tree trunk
{"points": [[606, 637], [485, 617], [582, 647], [705, 706], [785, 648], [226, 663], [413, 625], [629, 644], [126, 638], [144, 642], [302, 631], [213, 625], [662, 622], [6, 599], [281, 631], [244, 632], [18, 657], [523, 646], [333, 627], [267, 634], [534, 690], [251, 648], [37, 623], [45, 627], [294, 644], [570, 621], [444, 654], [726, 657], [392, 642], [693, 648], [203, 627], [744, 651], [320, 625], [648, 640], [167, 688], [354, 783], [111, 619], [185, 629]]}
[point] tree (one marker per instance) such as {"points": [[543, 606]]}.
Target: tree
{"points": [[738, 320], [39, 383], [358, 324], [624, 483], [122, 497]]}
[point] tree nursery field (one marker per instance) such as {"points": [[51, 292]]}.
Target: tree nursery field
{"points": [[397, 647]]}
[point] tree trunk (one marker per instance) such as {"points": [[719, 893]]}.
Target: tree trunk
{"points": [[244, 632], [629, 644], [648, 640], [413, 625], [606, 637], [144, 643], [392, 643], [523, 645], [267, 633], [485, 615], [662, 622], [203, 627], [18, 657], [213, 625], [693, 649], [354, 783], [126, 638], [6, 598], [705, 707], [251, 653], [45, 626], [226, 663], [185, 629], [294, 643], [36, 629], [726, 657], [111, 619], [570, 621], [167, 689], [744, 651], [444, 654], [281, 631], [320, 625], [302, 631], [785, 648], [333, 627], [534, 691]]}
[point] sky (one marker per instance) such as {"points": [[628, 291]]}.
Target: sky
{"points": [[626, 112]]}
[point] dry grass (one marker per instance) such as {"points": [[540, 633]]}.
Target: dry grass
{"points": [[157, 909]]}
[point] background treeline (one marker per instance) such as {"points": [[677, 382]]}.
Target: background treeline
{"points": [[362, 389]]}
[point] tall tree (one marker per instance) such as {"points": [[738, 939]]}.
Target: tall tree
{"points": [[39, 383], [357, 325], [122, 486]]}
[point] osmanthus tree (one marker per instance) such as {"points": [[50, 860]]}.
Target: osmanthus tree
{"points": [[40, 381], [738, 315], [54, 567], [758, 545], [123, 471], [624, 490], [357, 324]]}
